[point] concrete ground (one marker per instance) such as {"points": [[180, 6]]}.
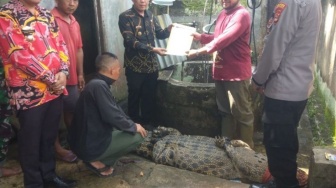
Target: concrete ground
{"points": [[146, 174], [140, 174]]}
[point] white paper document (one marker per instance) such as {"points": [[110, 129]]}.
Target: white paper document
{"points": [[180, 39]]}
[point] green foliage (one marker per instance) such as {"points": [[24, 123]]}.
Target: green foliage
{"points": [[2, 2], [193, 6], [196, 7], [322, 121]]}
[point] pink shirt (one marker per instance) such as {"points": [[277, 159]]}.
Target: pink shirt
{"points": [[72, 37], [231, 41]]}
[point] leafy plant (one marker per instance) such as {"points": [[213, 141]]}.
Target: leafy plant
{"points": [[197, 7], [321, 120]]}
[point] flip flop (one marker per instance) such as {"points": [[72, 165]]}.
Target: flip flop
{"points": [[98, 171]]}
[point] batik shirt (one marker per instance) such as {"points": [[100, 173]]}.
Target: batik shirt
{"points": [[33, 51], [139, 33]]}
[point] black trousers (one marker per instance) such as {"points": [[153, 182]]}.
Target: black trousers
{"points": [[141, 96], [280, 120], [38, 130]]}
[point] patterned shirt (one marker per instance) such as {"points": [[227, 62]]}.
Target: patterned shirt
{"points": [[139, 33], [33, 51]]}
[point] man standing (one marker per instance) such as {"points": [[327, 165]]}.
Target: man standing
{"points": [[139, 29], [101, 132], [70, 30], [285, 76], [231, 69], [36, 65]]}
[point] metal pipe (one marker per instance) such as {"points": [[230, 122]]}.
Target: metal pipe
{"points": [[182, 69]]}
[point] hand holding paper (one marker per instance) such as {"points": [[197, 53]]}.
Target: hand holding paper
{"points": [[160, 51], [192, 53], [180, 39], [197, 36]]}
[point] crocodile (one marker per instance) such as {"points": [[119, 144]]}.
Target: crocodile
{"points": [[220, 157]]}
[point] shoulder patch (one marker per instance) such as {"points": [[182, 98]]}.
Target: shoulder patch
{"points": [[279, 8]]}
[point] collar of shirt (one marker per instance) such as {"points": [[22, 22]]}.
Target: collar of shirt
{"points": [[57, 14], [21, 8], [233, 10], [136, 12], [109, 81]]}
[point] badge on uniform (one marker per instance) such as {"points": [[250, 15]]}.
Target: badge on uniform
{"points": [[279, 8]]}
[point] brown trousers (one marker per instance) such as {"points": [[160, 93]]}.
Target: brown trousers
{"points": [[234, 103]]}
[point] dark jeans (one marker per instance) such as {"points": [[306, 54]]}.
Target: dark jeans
{"points": [[281, 119], [141, 96], [36, 138]]}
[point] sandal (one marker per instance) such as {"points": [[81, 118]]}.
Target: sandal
{"points": [[98, 171]]}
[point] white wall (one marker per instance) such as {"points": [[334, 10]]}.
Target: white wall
{"points": [[326, 56], [49, 4], [112, 40]]}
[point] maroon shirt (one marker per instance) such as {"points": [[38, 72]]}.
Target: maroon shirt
{"points": [[231, 41]]}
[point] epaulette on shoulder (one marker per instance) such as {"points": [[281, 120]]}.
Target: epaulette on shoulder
{"points": [[302, 3]]}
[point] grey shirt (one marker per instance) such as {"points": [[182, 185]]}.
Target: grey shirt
{"points": [[287, 63]]}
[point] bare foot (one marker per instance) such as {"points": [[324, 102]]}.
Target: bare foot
{"points": [[6, 172]]}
